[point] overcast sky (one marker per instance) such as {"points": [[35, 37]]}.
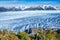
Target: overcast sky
{"points": [[29, 2]]}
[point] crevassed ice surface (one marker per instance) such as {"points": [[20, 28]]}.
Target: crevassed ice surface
{"points": [[22, 20]]}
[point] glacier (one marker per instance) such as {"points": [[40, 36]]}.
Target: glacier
{"points": [[22, 20]]}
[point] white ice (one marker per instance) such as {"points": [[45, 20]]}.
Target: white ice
{"points": [[22, 14]]}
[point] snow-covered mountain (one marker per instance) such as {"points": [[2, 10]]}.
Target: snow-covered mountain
{"points": [[44, 7], [3, 9]]}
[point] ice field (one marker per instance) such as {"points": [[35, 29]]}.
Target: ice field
{"points": [[22, 20]]}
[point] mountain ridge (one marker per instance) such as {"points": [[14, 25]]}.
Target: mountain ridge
{"points": [[24, 8]]}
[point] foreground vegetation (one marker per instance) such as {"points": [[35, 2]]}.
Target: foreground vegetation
{"points": [[41, 35]]}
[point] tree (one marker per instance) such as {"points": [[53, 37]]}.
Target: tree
{"points": [[50, 35], [23, 36], [58, 36], [41, 34], [7, 35]]}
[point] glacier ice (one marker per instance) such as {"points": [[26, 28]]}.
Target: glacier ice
{"points": [[16, 21]]}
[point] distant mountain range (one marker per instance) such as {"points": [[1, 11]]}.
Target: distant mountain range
{"points": [[45, 7]]}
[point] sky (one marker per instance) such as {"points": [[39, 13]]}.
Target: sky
{"points": [[29, 2]]}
